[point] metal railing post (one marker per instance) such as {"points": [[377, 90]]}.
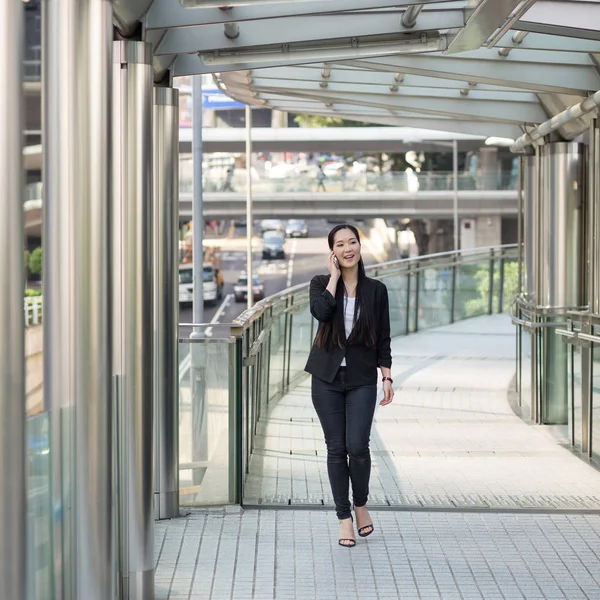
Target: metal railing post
{"points": [[417, 297], [408, 277], [491, 285], [501, 284], [453, 297]]}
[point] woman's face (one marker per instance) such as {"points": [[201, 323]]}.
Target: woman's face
{"points": [[346, 248]]}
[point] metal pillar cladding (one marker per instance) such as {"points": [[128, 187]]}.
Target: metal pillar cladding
{"points": [[562, 257], [12, 341], [529, 230], [133, 313], [166, 302], [77, 38], [561, 239]]}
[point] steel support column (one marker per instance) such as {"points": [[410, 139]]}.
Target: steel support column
{"points": [[77, 37], [12, 346], [133, 313], [166, 302], [562, 255]]}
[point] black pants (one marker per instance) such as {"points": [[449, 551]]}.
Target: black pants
{"points": [[346, 415]]}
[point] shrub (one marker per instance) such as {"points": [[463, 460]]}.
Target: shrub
{"points": [[35, 262]]}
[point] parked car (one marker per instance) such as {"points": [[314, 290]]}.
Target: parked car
{"points": [[296, 228], [240, 289], [273, 245], [271, 225]]}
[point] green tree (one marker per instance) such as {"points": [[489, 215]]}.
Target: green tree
{"points": [[27, 257], [35, 262], [317, 121]]}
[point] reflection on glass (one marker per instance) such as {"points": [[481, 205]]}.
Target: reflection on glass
{"points": [[595, 438], [472, 290], [435, 297], [575, 397], [40, 554]]}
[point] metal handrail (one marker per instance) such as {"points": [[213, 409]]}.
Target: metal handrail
{"points": [[413, 264]]}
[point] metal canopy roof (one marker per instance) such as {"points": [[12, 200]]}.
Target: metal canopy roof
{"points": [[479, 67]]}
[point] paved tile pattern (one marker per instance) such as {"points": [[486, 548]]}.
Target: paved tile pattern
{"points": [[449, 439], [288, 554]]}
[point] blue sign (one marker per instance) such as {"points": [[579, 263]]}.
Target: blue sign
{"points": [[219, 101]]}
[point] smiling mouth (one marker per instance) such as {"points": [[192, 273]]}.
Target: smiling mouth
{"points": [[349, 257]]}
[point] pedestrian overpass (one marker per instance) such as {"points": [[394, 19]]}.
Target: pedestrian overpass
{"points": [[83, 477]]}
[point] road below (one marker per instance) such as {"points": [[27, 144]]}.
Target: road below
{"points": [[305, 257]]}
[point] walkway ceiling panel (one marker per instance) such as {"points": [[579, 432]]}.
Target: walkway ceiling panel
{"points": [[486, 67], [510, 112], [538, 77], [402, 91], [578, 19], [305, 29], [171, 13], [285, 76], [544, 41]]}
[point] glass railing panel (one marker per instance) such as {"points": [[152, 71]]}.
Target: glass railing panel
{"points": [[355, 182], [574, 411], [206, 369], [526, 390], [595, 421], [398, 296], [472, 289], [277, 357], [40, 554], [510, 283], [435, 297], [303, 328]]}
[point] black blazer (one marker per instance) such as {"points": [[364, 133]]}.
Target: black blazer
{"points": [[361, 361]]}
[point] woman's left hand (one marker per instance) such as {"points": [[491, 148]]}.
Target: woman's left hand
{"points": [[388, 393]]}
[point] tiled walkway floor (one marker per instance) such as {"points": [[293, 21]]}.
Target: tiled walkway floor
{"points": [[449, 438], [448, 442]]}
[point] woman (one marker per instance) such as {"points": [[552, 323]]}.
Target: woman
{"points": [[352, 341]]}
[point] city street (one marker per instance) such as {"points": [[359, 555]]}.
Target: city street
{"points": [[305, 257]]}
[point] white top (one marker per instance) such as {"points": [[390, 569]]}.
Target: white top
{"points": [[348, 320]]}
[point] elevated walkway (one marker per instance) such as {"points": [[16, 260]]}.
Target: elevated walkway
{"points": [[468, 500], [399, 204]]}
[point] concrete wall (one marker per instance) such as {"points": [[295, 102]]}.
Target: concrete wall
{"points": [[488, 231], [34, 369]]}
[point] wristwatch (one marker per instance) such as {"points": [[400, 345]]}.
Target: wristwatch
{"points": [[387, 379]]}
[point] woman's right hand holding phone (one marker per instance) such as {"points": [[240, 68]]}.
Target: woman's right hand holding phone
{"points": [[333, 267], [334, 272]]}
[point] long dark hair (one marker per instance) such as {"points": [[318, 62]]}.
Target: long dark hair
{"points": [[333, 332]]}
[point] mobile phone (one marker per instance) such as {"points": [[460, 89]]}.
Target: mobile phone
{"points": [[336, 262]]}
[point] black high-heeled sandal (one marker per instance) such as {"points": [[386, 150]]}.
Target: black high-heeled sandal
{"points": [[352, 542], [361, 530]]}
